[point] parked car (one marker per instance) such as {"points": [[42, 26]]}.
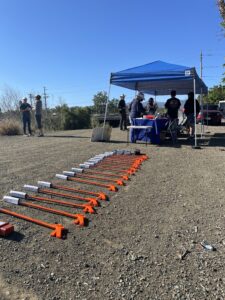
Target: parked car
{"points": [[210, 114], [222, 107]]}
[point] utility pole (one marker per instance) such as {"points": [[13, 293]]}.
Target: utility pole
{"points": [[31, 97], [201, 98], [45, 97], [46, 107], [201, 67]]}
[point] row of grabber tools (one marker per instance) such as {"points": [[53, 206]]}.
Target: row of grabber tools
{"points": [[106, 171]]}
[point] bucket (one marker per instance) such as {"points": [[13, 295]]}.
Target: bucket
{"points": [[101, 134]]}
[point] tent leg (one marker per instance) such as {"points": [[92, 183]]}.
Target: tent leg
{"points": [[196, 142], [202, 123], [106, 110]]}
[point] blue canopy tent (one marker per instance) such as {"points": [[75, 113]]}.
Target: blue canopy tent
{"points": [[159, 78]]}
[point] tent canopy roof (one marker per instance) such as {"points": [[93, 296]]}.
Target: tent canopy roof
{"points": [[159, 78]]}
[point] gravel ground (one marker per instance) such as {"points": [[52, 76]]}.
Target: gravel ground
{"points": [[142, 244]]}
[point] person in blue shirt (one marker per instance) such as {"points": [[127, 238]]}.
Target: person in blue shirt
{"points": [[25, 108]]}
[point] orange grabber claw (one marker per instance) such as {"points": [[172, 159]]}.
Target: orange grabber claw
{"points": [[120, 182], [80, 220], [93, 202], [89, 209], [102, 196], [113, 188], [130, 172], [125, 177], [136, 165], [59, 231]]}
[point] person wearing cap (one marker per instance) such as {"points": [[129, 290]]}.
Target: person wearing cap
{"points": [[136, 108], [38, 114], [25, 108], [122, 111]]}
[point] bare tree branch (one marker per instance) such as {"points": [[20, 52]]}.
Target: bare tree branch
{"points": [[9, 99]]}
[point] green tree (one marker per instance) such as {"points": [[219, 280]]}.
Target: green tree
{"points": [[221, 6], [113, 106], [216, 94], [100, 100], [77, 118]]}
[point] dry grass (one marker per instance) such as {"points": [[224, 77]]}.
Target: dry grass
{"points": [[9, 127]]}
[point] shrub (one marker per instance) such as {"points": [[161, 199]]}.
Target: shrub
{"points": [[9, 127]]}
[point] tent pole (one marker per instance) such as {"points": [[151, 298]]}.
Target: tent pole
{"points": [[156, 127], [202, 123], [194, 89], [195, 112], [106, 109]]}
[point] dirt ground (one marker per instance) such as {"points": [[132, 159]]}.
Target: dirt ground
{"points": [[144, 243]]}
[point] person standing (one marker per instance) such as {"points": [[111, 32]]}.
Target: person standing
{"points": [[38, 114], [172, 105], [151, 107], [189, 110], [136, 108], [123, 114], [25, 108]]}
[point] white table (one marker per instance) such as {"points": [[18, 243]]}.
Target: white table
{"points": [[146, 128]]}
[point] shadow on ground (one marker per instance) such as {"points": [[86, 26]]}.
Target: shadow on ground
{"points": [[15, 236], [217, 140], [69, 136]]}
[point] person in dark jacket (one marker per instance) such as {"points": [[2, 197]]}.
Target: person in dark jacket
{"points": [[172, 105], [25, 108], [38, 114], [189, 110], [136, 108], [123, 114]]}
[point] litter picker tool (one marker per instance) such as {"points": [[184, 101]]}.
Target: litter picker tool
{"points": [[130, 170], [121, 162], [112, 167], [80, 175], [89, 171], [78, 219], [45, 184], [101, 168], [36, 189], [85, 207], [112, 188], [58, 230]]}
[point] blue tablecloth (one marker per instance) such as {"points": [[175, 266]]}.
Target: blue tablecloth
{"points": [[152, 135]]}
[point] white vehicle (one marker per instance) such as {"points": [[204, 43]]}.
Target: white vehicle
{"points": [[221, 106]]}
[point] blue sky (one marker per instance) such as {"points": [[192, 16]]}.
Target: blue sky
{"points": [[72, 46]]}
